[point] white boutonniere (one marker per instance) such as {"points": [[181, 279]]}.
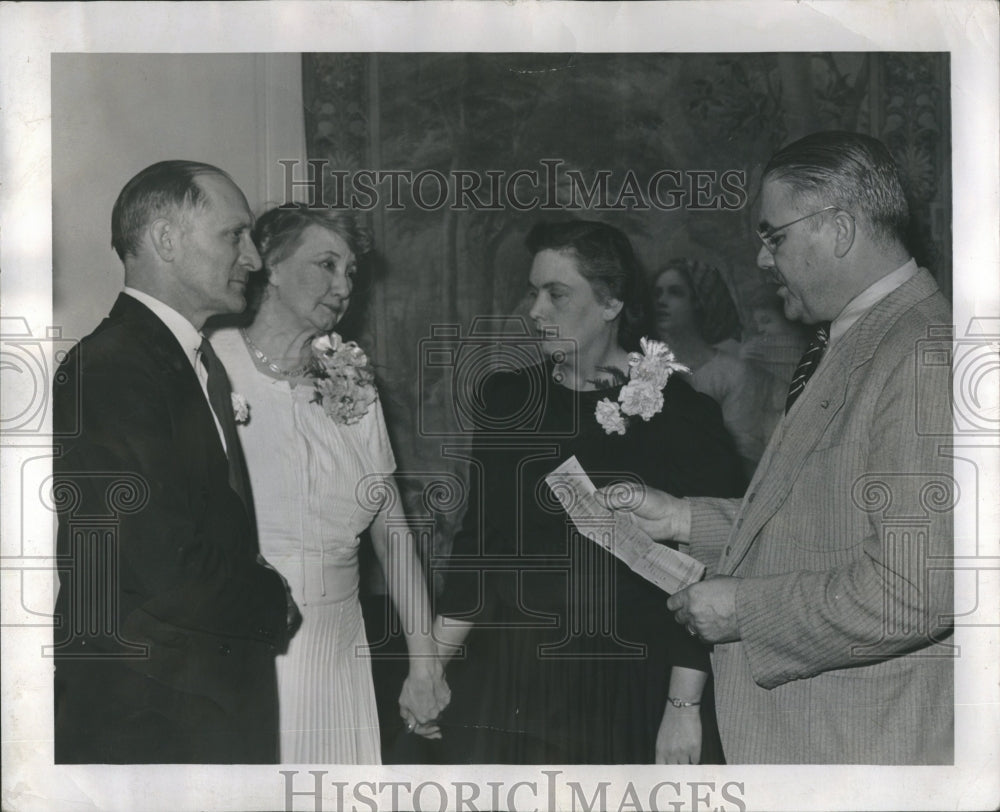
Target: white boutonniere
{"points": [[241, 409], [648, 373], [342, 378]]}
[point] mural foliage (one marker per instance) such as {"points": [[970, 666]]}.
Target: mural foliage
{"points": [[532, 137]]}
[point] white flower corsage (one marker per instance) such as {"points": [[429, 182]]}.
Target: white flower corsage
{"points": [[343, 380], [648, 373], [241, 409]]}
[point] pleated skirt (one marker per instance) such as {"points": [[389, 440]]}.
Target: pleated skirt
{"points": [[326, 695]]}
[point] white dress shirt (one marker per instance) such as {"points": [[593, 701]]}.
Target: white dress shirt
{"points": [[187, 336], [870, 297], [865, 301]]}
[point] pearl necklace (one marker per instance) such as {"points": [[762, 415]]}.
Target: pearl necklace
{"points": [[264, 361]]}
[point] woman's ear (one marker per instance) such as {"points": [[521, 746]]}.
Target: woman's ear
{"points": [[612, 308], [272, 275]]}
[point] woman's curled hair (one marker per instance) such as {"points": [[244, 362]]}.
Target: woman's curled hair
{"points": [[605, 258]]}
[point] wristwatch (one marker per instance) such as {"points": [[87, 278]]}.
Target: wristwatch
{"points": [[681, 703]]}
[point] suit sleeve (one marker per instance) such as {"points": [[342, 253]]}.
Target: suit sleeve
{"points": [[894, 598]]}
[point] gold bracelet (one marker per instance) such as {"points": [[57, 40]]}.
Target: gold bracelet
{"points": [[681, 703]]}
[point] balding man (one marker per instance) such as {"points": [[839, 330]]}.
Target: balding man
{"points": [[833, 585], [167, 620]]}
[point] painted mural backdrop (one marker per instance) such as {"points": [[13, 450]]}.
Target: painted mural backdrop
{"points": [[452, 158]]}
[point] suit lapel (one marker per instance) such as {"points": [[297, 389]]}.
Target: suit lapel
{"points": [[818, 405], [799, 433], [195, 430]]}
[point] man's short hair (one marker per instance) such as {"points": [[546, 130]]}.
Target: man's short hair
{"points": [[155, 192], [851, 171]]}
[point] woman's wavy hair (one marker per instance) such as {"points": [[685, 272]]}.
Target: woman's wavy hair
{"points": [[715, 313], [278, 233], [606, 260]]}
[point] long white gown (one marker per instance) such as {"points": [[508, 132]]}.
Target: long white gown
{"points": [[311, 480]]}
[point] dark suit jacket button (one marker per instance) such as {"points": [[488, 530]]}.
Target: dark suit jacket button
{"points": [[224, 649]]}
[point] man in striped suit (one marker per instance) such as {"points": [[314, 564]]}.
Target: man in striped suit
{"points": [[830, 597]]}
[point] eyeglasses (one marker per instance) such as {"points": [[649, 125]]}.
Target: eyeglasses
{"points": [[767, 236]]}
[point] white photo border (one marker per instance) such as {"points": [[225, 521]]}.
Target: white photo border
{"points": [[31, 32]]}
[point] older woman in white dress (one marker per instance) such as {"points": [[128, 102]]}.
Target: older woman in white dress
{"points": [[321, 469]]}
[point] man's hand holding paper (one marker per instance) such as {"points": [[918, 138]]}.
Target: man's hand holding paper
{"points": [[658, 514], [707, 609], [619, 532]]}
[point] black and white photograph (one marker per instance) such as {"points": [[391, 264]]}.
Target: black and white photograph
{"points": [[500, 406]]}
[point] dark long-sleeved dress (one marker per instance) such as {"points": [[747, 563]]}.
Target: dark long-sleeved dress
{"points": [[569, 660]]}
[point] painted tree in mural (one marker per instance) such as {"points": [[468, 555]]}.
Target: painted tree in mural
{"points": [[588, 114], [457, 113], [337, 122], [914, 127], [591, 113]]}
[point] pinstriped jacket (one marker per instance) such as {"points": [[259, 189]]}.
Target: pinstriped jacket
{"points": [[843, 543]]}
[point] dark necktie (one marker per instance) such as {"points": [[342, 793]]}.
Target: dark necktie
{"points": [[807, 364], [220, 395]]}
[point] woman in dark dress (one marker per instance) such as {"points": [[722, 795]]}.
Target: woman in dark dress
{"points": [[569, 657]]}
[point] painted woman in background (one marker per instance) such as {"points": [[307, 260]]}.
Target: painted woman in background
{"points": [[321, 469], [775, 349], [696, 316], [562, 654]]}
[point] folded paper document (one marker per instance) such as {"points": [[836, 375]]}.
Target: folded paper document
{"points": [[619, 533]]}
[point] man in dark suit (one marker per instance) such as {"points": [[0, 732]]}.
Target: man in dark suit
{"points": [[831, 606], [167, 625]]}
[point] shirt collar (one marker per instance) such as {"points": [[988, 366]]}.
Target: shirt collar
{"points": [[185, 333], [870, 297]]}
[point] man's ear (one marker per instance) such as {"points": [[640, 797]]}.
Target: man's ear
{"points": [[612, 308], [846, 231], [164, 235]]}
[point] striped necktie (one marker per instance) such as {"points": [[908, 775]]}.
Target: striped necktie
{"points": [[807, 364], [220, 395]]}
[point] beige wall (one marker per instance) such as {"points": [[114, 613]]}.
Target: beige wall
{"points": [[113, 114]]}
